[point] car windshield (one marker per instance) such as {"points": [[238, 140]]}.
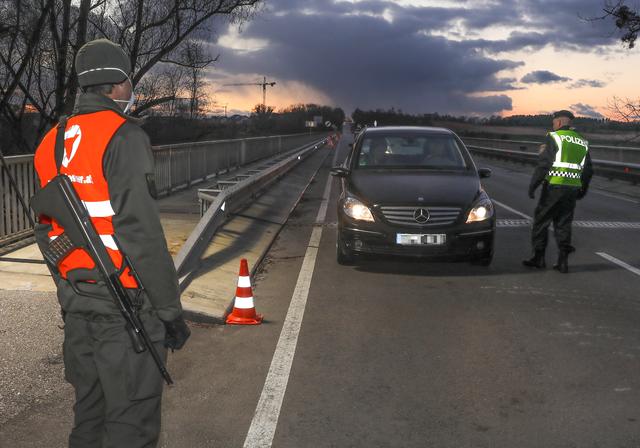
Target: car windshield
{"points": [[420, 151]]}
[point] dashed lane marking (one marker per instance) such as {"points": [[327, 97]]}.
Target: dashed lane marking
{"points": [[607, 224], [583, 224]]}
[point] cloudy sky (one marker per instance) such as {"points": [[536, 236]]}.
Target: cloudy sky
{"points": [[472, 57]]}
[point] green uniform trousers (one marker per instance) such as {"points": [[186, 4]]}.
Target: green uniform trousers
{"points": [[556, 205], [118, 392]]}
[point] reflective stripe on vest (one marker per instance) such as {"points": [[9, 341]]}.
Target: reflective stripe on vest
{"points": [[570, 158], [107, 240], [86, 139]]}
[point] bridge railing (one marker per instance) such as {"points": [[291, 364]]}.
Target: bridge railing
{"points": [[176, 167], [612, 169], [182, 165], [14, 222], [601, 152], [219, 202]]}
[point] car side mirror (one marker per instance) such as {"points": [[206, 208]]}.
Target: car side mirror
{"points": [[340, 171], [484, 173]]}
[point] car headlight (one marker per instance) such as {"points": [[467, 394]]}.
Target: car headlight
{"points": [[357, 210], [481, 211]]}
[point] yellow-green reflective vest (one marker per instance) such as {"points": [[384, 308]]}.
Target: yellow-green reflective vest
{"points": [[569, 163]]}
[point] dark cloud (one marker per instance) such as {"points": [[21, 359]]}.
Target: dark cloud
{"points": [[543, 77], [563, 24], [568, 25], [368, 62], [595, 83], [515, 42], [586, 110], [356, 55]]}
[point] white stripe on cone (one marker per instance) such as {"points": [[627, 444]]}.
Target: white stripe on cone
{"points": [[244, 282], [244, 303]]}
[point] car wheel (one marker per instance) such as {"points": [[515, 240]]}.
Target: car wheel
{"points": [[344, 255]]}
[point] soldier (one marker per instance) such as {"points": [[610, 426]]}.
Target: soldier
{"points": [[564, 169], [108, 158]]}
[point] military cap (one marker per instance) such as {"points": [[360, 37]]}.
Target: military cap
{"points": [[564, 113], [102, 62]]}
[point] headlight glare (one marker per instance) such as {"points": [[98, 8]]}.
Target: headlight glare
{"points": [[482, 211], [357, 210]]}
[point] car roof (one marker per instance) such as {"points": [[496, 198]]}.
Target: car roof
{"points": [[409, 129]]}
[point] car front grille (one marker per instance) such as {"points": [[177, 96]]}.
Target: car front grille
{"points": [[438, 216]]}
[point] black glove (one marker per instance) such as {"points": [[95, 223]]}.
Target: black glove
{"points": [[582, 193], [177, 333]]}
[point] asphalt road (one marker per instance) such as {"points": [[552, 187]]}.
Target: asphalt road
{"points": [[405, 353]]}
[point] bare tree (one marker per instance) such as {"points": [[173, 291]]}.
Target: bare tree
{"points": [[40, 38], [152, 31], [196, 61], [21, 31], [625, 109], [627, 20]]}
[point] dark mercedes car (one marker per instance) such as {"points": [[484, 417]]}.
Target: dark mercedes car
{"points": [[413, 191]]}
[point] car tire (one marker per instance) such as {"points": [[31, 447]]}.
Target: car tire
{"points": [[344, 255]]}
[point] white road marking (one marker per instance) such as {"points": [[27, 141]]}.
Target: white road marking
{"points": [[620, 263], [513, 223], [615, 196], [512, 210], [615, 225], [265, 420], [335, 155], [322, 211], [607, 224]]}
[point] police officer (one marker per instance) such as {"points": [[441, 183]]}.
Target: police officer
{"points": [[564, 169], [108, 158]]}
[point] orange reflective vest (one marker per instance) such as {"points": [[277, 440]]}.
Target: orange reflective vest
{"points": [[85, 141]]}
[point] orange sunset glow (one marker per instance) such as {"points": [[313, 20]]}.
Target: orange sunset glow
{"points": [[589, 69]]}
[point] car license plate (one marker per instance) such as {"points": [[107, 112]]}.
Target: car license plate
{"points": [[413, 239]]}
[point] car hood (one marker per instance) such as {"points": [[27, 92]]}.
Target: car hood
{"points": [[407, 187]]}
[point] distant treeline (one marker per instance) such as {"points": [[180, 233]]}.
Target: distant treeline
{"points": [[180, 129], [394, 117], [584, 123], [262, 121]]}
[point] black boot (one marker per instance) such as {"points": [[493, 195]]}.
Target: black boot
{"points": [[537, 261], [563, 262]]}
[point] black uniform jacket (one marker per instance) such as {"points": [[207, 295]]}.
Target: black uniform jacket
{"points": [[128, 166], [546, 158]]}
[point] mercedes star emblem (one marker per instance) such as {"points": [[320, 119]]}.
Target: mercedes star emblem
{"points": [[421, 215]]}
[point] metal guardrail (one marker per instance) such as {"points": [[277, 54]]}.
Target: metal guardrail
{"points": [[602, 152], [220, 203], [182, 165], [177, 167], [14, 222], [606, 168]]}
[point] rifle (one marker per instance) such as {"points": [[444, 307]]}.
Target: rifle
{"points": [[59, 200]]}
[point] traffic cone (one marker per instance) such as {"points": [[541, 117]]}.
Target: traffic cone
{"points": [[244, 311]]}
